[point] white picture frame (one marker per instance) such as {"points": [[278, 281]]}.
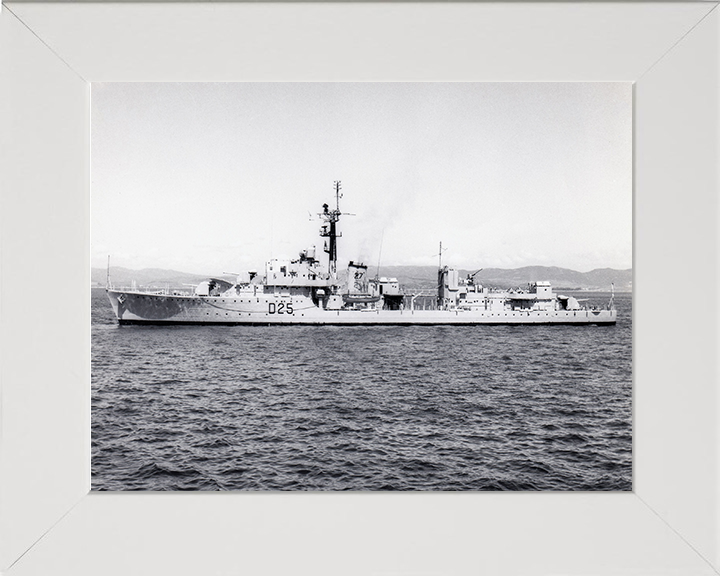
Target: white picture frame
{"points": [[50, 523]]}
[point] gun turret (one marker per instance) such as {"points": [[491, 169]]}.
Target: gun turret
{"points": [[471, 277]]}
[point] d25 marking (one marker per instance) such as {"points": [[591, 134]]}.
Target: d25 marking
{"points": [[280, 308]]}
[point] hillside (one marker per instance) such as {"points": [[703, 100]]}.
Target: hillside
{"points": [[599, 279], [411, 277], [146, 277]]}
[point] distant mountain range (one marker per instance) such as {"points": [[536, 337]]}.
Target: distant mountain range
{"points": [[411, 277], [596, 280], [145, 277]]}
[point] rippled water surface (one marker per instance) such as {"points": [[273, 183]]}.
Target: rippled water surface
{"points": [[361, 408]]}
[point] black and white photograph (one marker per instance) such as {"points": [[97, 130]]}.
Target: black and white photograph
{"points": [[361, 286]]}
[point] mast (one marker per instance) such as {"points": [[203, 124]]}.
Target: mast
{"points": [[441, 278], [377, 272], [329, 230]]}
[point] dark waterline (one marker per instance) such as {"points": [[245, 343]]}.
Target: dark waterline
{"points": [[361, 407]]}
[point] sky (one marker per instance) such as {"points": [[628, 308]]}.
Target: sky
{"points": [[209, 178]]}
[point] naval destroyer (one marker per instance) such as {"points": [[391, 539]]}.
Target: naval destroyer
{"points": [[307, 291]]}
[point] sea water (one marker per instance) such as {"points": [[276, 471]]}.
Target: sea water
{"points": [[361, 407]]}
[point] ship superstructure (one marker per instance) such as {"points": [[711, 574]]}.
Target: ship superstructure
{"points": [[304, 290]]}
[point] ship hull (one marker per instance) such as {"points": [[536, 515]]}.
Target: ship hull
{"points": [[141, 308]]}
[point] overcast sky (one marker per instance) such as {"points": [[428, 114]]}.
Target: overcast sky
{"points": [[212, 178]]}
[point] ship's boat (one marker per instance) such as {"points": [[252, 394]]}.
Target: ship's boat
{"points": [[306, 291]]}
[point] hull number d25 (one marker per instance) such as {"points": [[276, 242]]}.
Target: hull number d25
{"points": [[280, 308]]}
